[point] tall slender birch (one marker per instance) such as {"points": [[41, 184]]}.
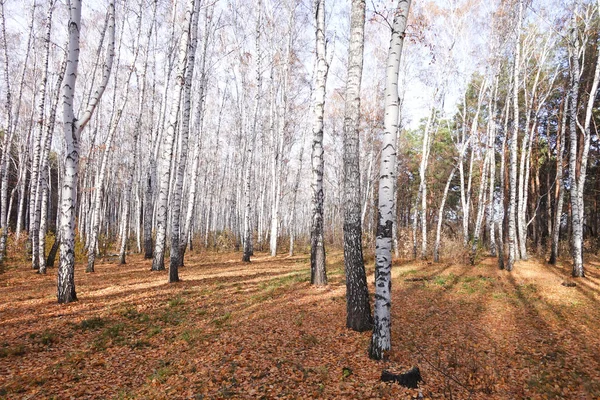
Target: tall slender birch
{"points": [[250, 144], [98, 193], [276, 163], [198, 123], [138, 126], [358, 309], [168, 139], [184, 132], [318, 273], [578, 165], [72, 131], [7, 139], [426, 148], [38, 139], [381, 339], [558, 182], [438, 231], [44, 186], [513, 248]]}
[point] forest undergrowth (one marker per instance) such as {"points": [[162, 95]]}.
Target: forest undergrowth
{"points": [[259, 330]]}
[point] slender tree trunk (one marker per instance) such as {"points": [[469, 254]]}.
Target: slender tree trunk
{"points": [[136, 133], [158, 261], [38, 141], [578, 167], [199, 118], [247, 229], [427, 138], [318, 274], [101, 176], [176, 240], [513, 249], [381, 339], [46, 173], [436, 247], [294, 200], [491, 207], [560, 192]]}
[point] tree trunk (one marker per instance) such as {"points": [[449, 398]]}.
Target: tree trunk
{"points": [[358, 309], [176, 241], [72, 131], [381, 339], [436, 247], [136, 131], [46, 173], [513, 249], [318, 274], [158, 260]]}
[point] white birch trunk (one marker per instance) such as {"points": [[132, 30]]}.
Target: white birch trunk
{"points": [[45, 185], [72, 131], [427, 137], [318, 273], [176, 239], [513, 247], [438, 232], [136, 132], [381, 339], [168, 140]]}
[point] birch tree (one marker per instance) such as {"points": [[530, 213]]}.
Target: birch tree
{"points": [[72, 130], [558, 182], [513, 248], [167, 146], [381, 338], [578, 163], [176, 241], [137, 127], [358, 309], [39, 140], [318, 274]]}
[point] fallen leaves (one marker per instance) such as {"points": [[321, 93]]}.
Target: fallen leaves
{"points": [[235, 330]]}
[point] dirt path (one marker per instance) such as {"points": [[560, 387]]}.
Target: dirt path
{"points": [[233, 330]]}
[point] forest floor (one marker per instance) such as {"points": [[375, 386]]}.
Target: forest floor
{"points": [[259, 330]]}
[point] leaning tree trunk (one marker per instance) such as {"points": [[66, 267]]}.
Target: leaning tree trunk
{"points": [[72, 131], [45, 175], [158, 260], [358, 309], [381, 339], [98, 194], [436, 247], [318, 274]]}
